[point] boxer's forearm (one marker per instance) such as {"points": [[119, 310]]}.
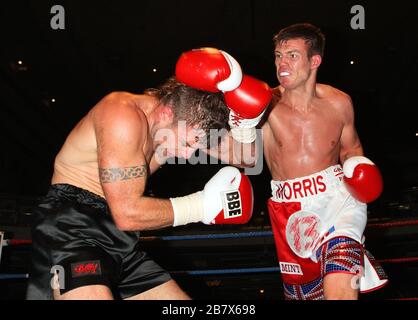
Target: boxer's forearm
{"points": [[231, 152], [245, 154], [145, 213]]}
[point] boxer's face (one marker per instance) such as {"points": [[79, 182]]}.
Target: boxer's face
{"points": [[292, 63], [189, 140], [181, 140]]}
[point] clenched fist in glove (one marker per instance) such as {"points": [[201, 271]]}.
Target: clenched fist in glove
{"points": [[362, 179], [247, 103], [209, 69], [214, 70], [227, 198]]}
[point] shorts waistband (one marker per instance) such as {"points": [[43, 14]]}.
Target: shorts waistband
{"points": [[307, 186], [73, 193]]}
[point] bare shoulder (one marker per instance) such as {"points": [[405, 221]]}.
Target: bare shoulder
{"points": [[340, 101], [121, 114], [334, 96], [119, 106], [276, 100]]}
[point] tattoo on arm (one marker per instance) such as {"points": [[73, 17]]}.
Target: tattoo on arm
{"points": [[120, 174]]}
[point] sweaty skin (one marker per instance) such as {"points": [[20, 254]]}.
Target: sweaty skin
{"points": [[298, 143], [113, 149], [77, 161], [111, 152], [310, 126]]}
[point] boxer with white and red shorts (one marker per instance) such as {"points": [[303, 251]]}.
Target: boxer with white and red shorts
{"points": [[318, 209], [318, 228]]}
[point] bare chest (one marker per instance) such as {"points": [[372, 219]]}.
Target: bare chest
{"points": [[313, 130], [316, 132]]}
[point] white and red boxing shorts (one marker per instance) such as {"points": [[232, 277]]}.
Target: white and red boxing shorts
{"points": [[318, 229]]}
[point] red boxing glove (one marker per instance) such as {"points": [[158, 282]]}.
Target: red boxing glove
{"points": [[214, 70], [362, 179], [209, 69], [227, 198], [247, 103], [250, 99]]}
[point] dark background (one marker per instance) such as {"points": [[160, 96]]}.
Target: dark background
{"points": [[109, 45], [115, 45]]}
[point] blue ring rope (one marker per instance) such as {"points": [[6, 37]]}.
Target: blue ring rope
{"points": [[236, 235], [189, 272], [13, 276], [228, 271]]}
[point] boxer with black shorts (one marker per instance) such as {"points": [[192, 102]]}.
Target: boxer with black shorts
{"points": [[85, 237]]}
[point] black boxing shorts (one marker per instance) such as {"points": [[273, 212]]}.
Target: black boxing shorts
{"points": [[74, 237]]}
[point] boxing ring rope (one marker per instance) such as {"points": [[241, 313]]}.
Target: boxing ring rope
{"points": [[15, 242], [236, 235], [11, 276], [211, 272], [255, 234], [393, 224], [233, 235], [398, 260]]}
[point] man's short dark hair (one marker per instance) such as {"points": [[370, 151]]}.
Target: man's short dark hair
{"points": [[312, 35]]}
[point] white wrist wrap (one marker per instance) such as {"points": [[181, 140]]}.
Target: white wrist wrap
{"points": [[188, 209]]}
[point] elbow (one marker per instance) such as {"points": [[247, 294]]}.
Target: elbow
{"points": [[127, 215], [124, 227], [124, 223]]}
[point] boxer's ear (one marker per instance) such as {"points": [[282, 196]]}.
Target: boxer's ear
{"points": [[166, 114], [316, 61]]}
